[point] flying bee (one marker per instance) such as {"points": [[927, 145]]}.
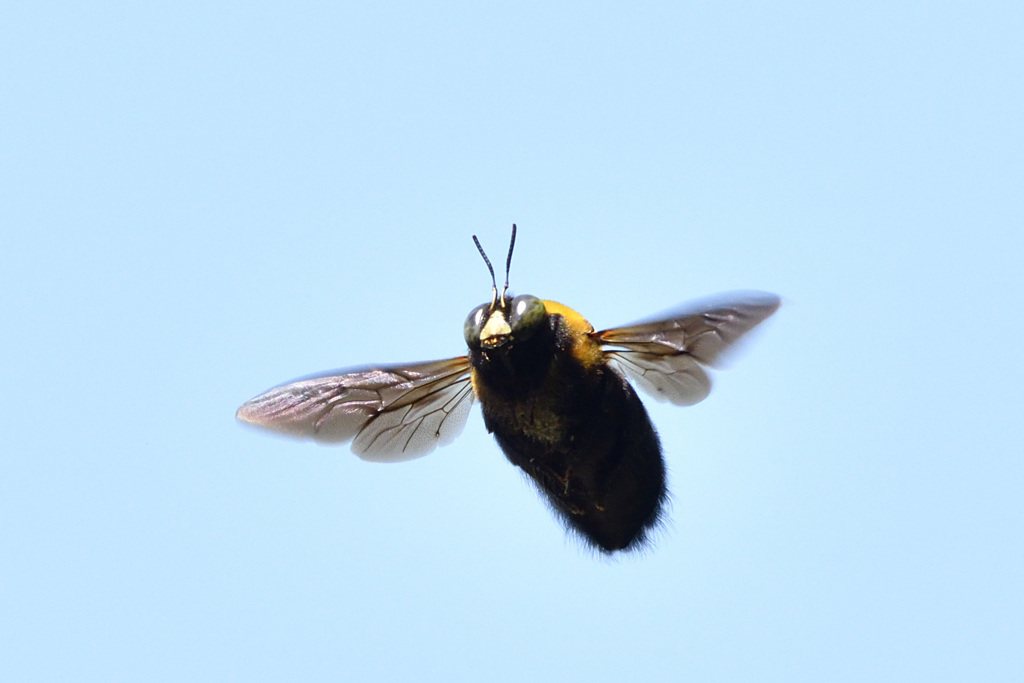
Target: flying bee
{"points": [[553, 392]]}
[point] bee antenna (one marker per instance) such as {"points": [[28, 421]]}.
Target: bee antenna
{"points": [[494, 283], [508, 264]]}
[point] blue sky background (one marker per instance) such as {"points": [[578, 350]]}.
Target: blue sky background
{"points": [[201, 201]]}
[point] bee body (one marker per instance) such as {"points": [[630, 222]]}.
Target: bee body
{"points": [[575, 427]]}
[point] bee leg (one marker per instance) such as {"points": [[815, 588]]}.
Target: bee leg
{"points": [[562, 481]]}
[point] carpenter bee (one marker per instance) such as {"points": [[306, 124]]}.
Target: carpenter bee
{"points": [[553, 392]]}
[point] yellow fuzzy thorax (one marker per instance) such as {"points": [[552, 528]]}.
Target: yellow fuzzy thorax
{"points": [[585, 348]]}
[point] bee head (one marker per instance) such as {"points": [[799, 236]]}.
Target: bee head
{"points": [[505, 319]]}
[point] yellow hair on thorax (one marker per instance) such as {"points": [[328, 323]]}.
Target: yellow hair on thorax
{"points": [[585, 348]]}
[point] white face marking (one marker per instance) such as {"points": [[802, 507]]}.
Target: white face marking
{"points": [[496, 326]]}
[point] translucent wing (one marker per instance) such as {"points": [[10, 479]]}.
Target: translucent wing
{"points": [[676, 379], [390, 413], [664, 357]]}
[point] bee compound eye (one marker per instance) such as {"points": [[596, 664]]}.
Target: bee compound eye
{"points": [[475, 324], [527, 314]]}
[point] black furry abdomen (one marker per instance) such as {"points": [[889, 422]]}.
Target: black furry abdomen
{"points": [[589, 445]]}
